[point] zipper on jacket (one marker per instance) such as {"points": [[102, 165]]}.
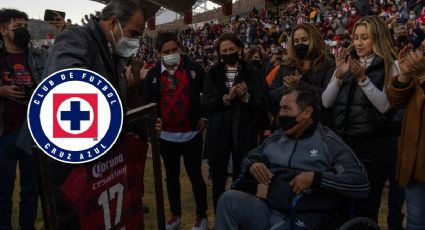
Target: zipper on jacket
{"points": [[292, 154]]}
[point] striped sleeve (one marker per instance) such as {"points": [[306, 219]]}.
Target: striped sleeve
{"points": [[349, 176]]}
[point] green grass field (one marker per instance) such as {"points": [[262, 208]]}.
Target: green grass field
{"points": [[187, 202]]}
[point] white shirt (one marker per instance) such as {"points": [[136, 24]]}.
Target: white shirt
{"points": [[377, 97]]}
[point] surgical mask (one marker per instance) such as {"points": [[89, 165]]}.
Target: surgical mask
{"points": [[230, 59], [21, 37], [125, 47], [353, 12], [301, 51], [339, 15], [412, 17], [171, 59]]}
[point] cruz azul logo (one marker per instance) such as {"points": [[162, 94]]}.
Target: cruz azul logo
{"points": [[75, 116]]}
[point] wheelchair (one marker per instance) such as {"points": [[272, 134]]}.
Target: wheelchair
{"points": [[356, 223], [341, 219]]}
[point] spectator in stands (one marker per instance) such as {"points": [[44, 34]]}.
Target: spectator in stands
{"points": [[401, 37], [338, 25], [275, 60], [233, 94], [307, 64], [352, 19], [357, 96], [322, 162], [21, 68], [255, 58], [406, 91], [175, 84]]}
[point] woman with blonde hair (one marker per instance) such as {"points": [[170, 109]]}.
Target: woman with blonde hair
{"points": [[357, 96]]}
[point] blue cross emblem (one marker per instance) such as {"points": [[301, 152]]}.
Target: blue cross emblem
{"points": [[75, 116]]}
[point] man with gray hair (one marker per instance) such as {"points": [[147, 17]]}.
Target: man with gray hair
{"points": [[103, 45]]}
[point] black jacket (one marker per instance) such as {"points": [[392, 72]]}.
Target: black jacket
{"points": [[316, 80], [354, 115], [81, 47], [195, 73], [232, 128], [86, 47]]}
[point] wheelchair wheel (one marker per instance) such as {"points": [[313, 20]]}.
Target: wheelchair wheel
{"points": [[360, 223]]}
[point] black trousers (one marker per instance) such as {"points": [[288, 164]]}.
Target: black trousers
{"points": [[191, 151], [374, 153], [219, 174]]}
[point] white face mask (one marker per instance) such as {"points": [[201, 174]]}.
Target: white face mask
{"points": [[171, 59], [412, 17], [339, 15], [353, 12], [125, 47]]}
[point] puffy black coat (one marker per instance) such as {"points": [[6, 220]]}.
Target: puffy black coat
{"points": [[354, 115]]}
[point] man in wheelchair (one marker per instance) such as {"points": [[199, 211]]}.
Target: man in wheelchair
{"points": [[301, 157]]}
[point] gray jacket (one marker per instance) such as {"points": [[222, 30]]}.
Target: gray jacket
{"points": [[36, 62], [320, 150], [86, 47]]}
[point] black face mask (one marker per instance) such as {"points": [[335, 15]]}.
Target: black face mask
{"points": [[22, 37], [403, 40], [257, 63], [287, 122], [230, 59], [301, 51]]}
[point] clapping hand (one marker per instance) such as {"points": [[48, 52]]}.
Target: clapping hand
{"points": [[357, 69], [342, 65], [292, 80], [412, 64]]}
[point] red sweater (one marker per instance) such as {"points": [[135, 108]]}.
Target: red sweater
{"points": [[175, 103]]}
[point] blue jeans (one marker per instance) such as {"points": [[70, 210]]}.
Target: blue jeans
{"points": [[10, 155], [415, 201], [239, 210]]}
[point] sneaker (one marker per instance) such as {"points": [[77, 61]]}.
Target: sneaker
{"points": [[201, 223], [174, 223]]}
